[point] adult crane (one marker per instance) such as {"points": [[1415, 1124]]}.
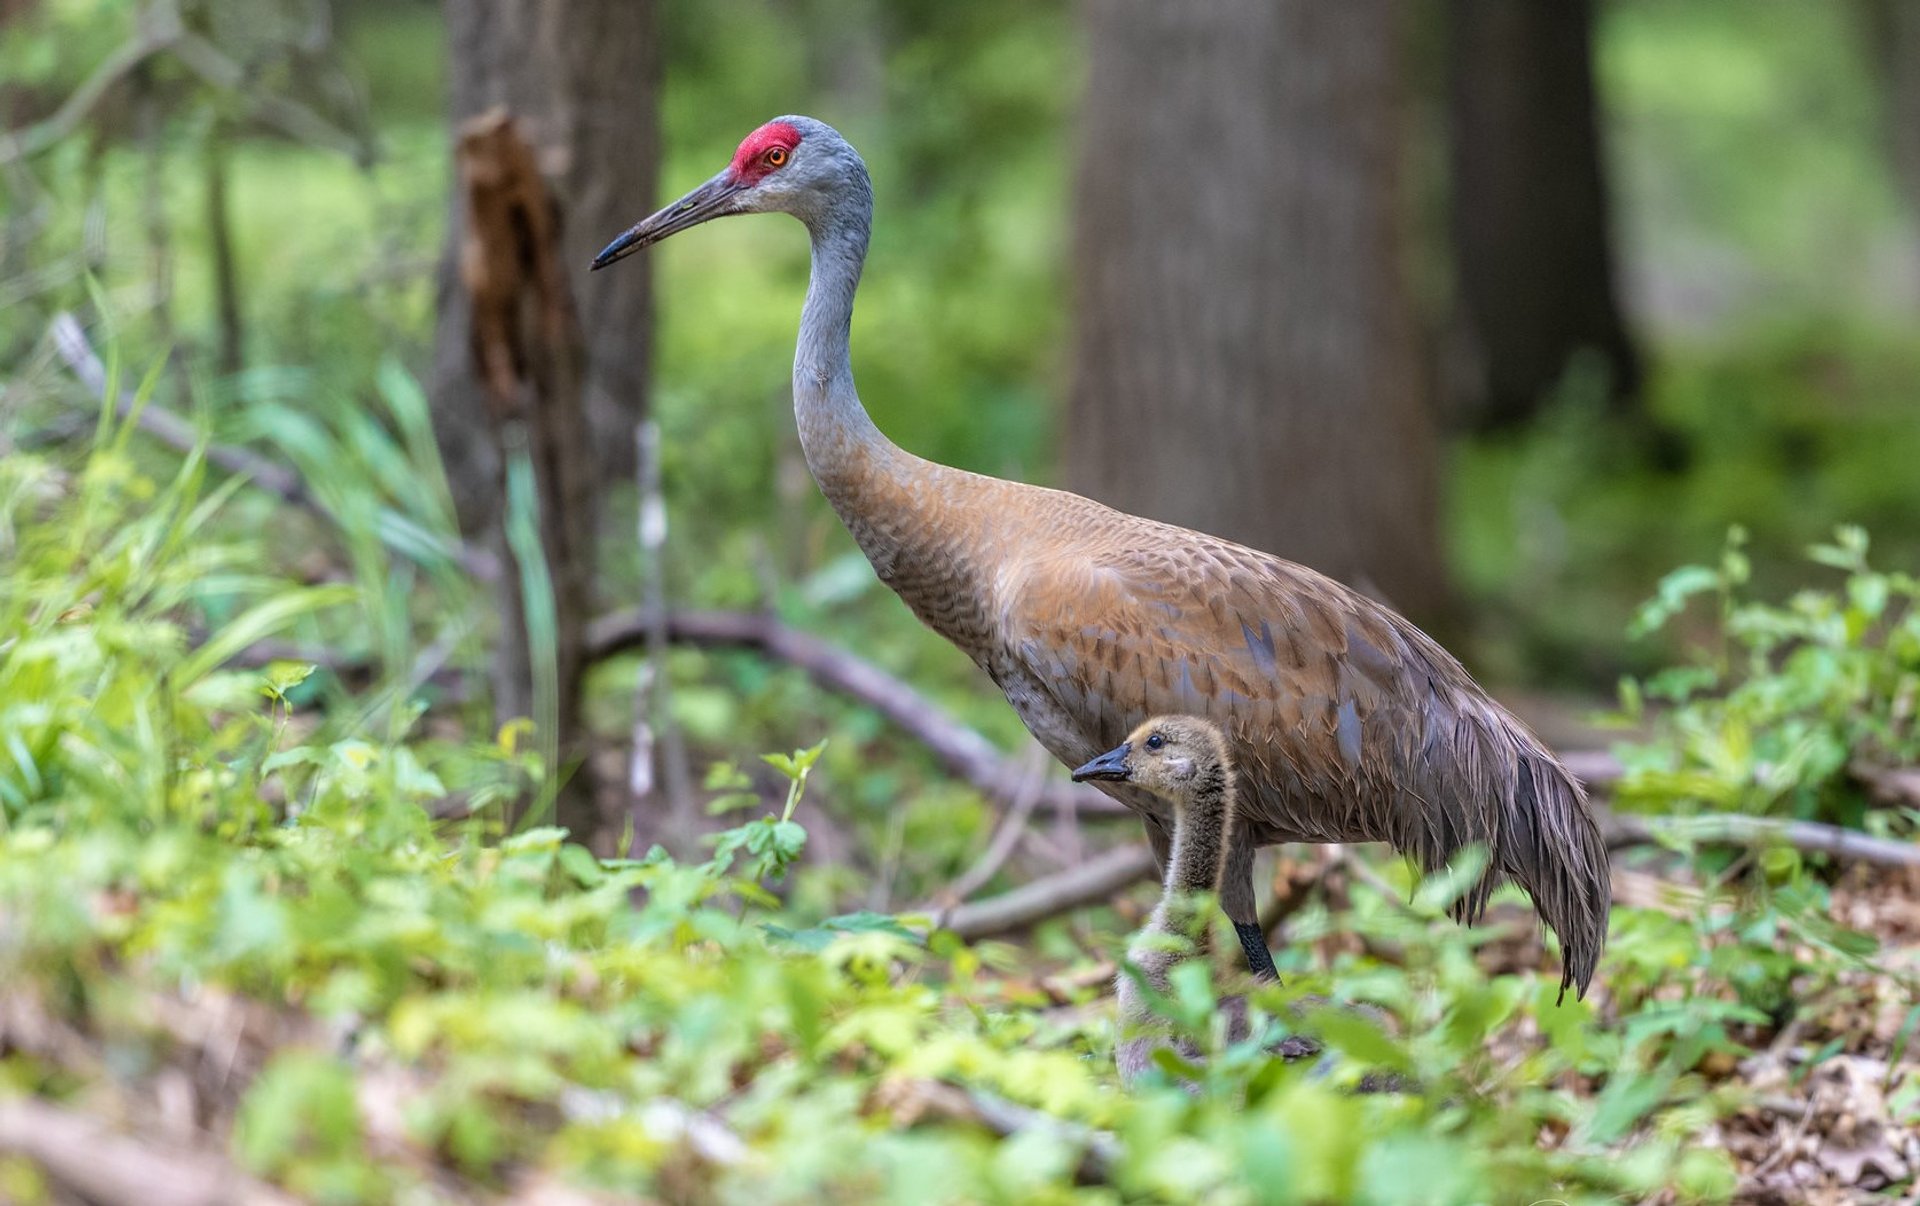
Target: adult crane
{"points": [[1347, 723]]}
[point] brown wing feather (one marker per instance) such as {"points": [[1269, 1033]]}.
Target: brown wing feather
{"points": [[1346, 721]]}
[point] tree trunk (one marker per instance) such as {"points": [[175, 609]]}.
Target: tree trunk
{"points": [[1533, 254], [579, 77], [527, 348], [1247, 360], [1893, 45]]}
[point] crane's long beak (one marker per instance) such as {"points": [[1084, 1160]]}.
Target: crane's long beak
{"points": [[1110, 765], [714, 199]]}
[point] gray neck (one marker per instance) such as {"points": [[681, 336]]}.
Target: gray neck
{"points": [[1193, 866], [1200, 835], [835, 431]]}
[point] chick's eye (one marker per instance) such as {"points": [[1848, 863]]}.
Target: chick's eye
{"points": [[777, 157], [1156, 741]]}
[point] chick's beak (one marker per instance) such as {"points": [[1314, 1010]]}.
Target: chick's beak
{"points": [[716, 198], [1111, 765]]}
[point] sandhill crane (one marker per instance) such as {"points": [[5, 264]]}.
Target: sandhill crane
{"points": [[1347, 723]]}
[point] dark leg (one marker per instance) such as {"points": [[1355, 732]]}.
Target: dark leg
{"points": [[1236, 900]]}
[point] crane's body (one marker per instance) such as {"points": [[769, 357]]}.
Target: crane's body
{"points": [[1347, 723]]}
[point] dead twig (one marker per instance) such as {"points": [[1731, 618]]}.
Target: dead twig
{"points": [[89, 1158], [1096, 879], [960, 751], [908, 1101], [159, 28], [654, 732], [1733, 829], [1006, 836], [1888, 784], [291, 118]]}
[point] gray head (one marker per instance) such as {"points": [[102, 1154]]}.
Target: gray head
{"points": [[792, 165]]}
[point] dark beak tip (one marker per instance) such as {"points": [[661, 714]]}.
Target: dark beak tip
{"points": [[1110, 766], [614, 252]]}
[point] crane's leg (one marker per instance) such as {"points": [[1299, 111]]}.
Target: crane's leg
{"points": [[1236, 900]]}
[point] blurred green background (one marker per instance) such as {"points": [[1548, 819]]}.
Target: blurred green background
{"points": [[1766, 255]]}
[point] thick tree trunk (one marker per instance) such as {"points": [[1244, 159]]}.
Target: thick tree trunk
{"points": [[579, 77], [526, 347], [1247, 360], [1533, 252]]}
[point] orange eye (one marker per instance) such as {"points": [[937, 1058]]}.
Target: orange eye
{"points": [[777, 157]]}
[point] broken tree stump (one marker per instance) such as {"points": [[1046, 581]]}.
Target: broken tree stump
{"points": [[529, 355]]}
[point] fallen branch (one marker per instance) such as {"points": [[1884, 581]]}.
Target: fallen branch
{"points": [[295, 120], [1732, 829], [70, 341], [1006, 835], [88, 1158], [908, 1101], [961, 751], [1124, 865], [1888, 784], [1096, 879]]}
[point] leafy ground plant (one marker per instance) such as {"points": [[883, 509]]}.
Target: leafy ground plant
{"points": [[239, 924], [258, 924], [1785, 707]]}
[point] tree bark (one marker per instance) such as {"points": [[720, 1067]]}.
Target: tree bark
{"points": [[1247, 360], [526, 345], [1532, 248], [580, 79], [1892, 29]]}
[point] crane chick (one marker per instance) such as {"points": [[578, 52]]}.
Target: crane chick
{"points": [[1184, 760]]}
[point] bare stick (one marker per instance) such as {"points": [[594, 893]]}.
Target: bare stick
{"points": [[973, 758], [88, 1157], [908, 1101], [1096, 879], [961, 751], [291, 118], [1889, 784], [1005, 836], [1733, 829], [652, 719], [70, 342]]}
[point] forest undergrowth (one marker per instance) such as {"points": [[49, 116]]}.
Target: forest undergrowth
{"points": [[279, 935]]}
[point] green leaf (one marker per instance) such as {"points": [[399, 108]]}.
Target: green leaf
{"points": [[255, 625], [579, 862], [1359, 1037]]}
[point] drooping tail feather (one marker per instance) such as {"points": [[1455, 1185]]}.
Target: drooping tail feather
{"points": [[1485, 779], [1551, 845]]}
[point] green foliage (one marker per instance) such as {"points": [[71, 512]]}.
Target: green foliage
{"points": [[1780, 700], [438, 1000]]}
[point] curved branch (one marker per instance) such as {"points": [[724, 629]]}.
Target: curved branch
{"points": [[159, 29], [1094, 880], [961, 751], [99, 1164], [1733, 829]]}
